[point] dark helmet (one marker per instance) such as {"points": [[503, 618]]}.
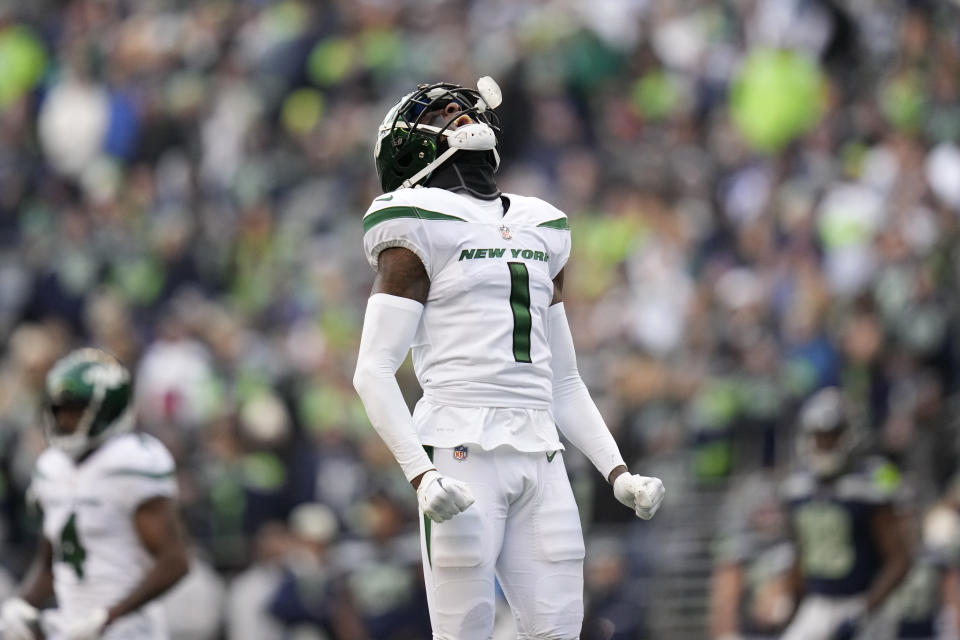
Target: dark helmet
{"points": [[408, 149], [97, 384], [825, 412]]}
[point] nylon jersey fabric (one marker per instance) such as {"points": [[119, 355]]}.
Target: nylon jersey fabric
{"points": [[482, 339], [88, 511]]}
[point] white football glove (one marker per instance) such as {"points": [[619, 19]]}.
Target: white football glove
{"points": [[19, 619], [640, 493], [441, 498], [88, 626]]}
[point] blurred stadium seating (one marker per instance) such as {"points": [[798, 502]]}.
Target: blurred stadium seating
{"points": [[764, 196]]}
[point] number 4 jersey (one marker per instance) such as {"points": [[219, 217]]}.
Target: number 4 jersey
{"points": [[482, 342], [88, 511]]}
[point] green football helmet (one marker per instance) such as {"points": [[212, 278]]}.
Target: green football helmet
{"points": [[409, 149], [96, 384]]}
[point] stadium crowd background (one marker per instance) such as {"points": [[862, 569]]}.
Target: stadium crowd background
{"points": [[764, 198]]}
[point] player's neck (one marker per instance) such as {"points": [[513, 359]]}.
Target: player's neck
{"points": [[469, 173]]}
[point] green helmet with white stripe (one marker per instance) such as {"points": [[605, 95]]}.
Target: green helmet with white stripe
{"points": [[415, 138], [94, 385]]}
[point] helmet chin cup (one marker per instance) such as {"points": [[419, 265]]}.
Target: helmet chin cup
{"points": [[472, 137]]}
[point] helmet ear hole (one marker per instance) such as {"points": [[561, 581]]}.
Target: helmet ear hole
{"points": [[404, 155], [407, 155]]}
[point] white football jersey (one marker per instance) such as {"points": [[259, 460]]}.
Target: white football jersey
{"points": [[482, 342], [88, 514]]}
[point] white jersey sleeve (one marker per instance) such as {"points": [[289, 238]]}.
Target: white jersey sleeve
{"points": [[397, 219], [52, 467], [88, 518], [137, 468], [555, 232]]}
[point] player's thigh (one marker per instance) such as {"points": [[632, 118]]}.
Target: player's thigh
{"points": [[815, 620], [541, 562], [459, 555], [879, 627]]}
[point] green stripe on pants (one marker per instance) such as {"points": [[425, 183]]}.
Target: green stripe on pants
{"points": [[426, 521]]}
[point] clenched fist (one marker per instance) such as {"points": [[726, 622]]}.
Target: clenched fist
{"points": [[640, 493], [441, 498]]}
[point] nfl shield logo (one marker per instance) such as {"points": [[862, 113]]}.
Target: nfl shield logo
{"points": [[460, 453], [505, 232]]}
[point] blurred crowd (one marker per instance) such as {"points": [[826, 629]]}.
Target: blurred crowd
{"points": [[764, 197]]}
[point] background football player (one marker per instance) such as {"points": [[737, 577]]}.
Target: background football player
{"points": [[472, 280], [750, 590], [851, 552], [926, 604], [111, 538]]}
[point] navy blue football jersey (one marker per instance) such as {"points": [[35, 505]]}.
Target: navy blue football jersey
{"points": [[830, 521]]}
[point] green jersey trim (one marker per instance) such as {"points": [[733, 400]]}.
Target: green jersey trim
{"points": [[559, 223], [154, 475], [426, 521], [391, 213]]}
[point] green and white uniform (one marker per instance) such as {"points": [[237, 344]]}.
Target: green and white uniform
{"points": [[482, 341], [88, 518], [482, 356]]}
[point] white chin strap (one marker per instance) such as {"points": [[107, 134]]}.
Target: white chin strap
{"points": [[470, 137]]}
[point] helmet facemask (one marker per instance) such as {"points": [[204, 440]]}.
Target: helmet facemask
{"points": [[827, 441], [827, 462], [412, 143]]}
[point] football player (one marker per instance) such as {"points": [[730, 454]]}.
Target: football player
{"points": [[750, 591], [851, 553], [925, 605], [111, 538], [471, 279]]}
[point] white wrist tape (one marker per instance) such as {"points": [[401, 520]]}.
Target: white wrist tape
{"points": [[389, 327], [574, 410]]}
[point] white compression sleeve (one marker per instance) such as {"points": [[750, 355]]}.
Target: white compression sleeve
{"points": [[389, 327], [574, 410]]}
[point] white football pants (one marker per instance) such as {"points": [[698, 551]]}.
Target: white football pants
{"points": [[819, 617], [524, 529]]}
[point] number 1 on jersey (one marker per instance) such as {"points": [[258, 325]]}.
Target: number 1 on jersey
{"points": [[520, 305]]}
